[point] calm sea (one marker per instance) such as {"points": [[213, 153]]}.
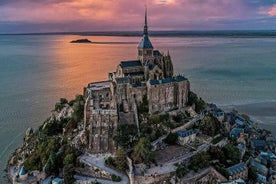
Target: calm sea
{"points": [[36, 70]]}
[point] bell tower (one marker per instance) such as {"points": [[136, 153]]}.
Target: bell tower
{"points": [[145, 48]]}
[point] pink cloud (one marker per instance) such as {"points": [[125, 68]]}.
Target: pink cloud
{"points": [[163, 14], [272, 11]]}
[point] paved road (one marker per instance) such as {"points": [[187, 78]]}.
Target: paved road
{"points": [[98, 161]]}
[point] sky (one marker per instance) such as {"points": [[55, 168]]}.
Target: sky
{"points": [[36, 16]]}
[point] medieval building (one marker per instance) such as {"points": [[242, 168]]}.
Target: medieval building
{"points": [[115, 101]]}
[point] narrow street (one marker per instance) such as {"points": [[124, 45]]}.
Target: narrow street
{"points": [[98, 161]]}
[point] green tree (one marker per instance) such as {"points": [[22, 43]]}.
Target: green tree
{"points": [[125, 135], [110, 162], [181, 170], [200, 160], [52, 165], [232, 154], [69, 159], [115, 178], [68, 174], [142, 151], [63, 101], [171, 139], [198, 102], [121, 159], [216, 152], [144, 106], [252, 174], [78, 108], [209, 125]]}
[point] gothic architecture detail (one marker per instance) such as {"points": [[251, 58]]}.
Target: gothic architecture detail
{"points": [[115, 101]]}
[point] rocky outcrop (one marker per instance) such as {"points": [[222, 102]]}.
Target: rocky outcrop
{"points": [[34, 138]]}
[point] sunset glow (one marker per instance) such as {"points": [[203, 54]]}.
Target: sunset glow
{"points": [[98, 15]]}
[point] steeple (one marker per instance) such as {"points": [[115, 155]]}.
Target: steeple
{"points": [[145, 48], [145, 43], [146, 22]]}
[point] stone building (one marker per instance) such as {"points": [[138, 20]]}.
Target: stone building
{"points": [[115, 101], [187, 136]]}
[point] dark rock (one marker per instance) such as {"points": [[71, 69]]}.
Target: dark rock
{"points": [[81, 41]]}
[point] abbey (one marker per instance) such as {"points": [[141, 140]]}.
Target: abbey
{"points": [[149, 78]]}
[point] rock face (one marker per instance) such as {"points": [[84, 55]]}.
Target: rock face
{"points": [[65, 112]]}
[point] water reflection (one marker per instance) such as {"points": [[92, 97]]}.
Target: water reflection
{"points": [[78, 64]]}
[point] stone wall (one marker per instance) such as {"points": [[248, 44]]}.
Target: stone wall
{"points": [[151, 179], [168, 96], [103, 124]]}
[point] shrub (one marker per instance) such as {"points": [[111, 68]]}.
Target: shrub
{"points": [[115, 178]]}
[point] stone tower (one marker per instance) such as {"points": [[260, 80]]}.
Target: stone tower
{"points": [[167, 66], [145, 48]]}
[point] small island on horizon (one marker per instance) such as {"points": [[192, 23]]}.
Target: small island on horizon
{"points": [[81, 41], [144, 125]]}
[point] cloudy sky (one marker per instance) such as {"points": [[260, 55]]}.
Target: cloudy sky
{"points": [[20, 16]]}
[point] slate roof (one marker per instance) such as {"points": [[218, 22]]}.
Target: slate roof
{"points": [[167, 80], [261, 178], [22, 171], [269, 155], [235, 132], [122, 80], [145, 43], [236, 168], [259, 167], [57, 181], [132, 63], [239, 122], [259, 144], [134, 73], [156, 53], [186, 133]]}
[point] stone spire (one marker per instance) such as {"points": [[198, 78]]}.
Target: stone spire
{"points": [[146, 22], [145, 43], [145, 48]]}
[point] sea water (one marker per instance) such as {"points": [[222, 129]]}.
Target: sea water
{"points": [[37, 70]]}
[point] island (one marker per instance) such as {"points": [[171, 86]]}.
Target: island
{"points": [[81, 41], [144, 125]]}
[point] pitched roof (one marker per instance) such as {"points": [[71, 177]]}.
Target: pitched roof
{"points": [[259, 143], [236, 168], [179, 78], [235, 132], [134, 73], [259, 167], [132, 63], [122, 80], [186, 133], [167, 80], [145, 43], [22, 171], [156, 53]]}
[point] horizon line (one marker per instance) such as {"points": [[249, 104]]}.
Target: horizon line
{"points": [[226, 32]]}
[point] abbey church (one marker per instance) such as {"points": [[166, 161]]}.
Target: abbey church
{"points": [[113, 102]]}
